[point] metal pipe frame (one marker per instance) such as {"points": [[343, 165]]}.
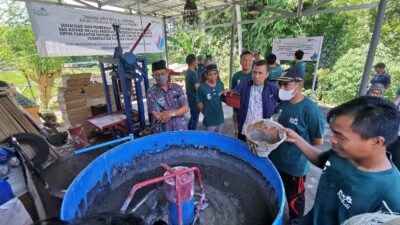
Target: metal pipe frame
{"points": [[372, 47], [273, 18], [107, 94], [307, 12], [232, 46], [126, 95], [143, 70], [239, 28], [105, 86], [316, 7], [173, 174], [341, 9], [208, 9], [215, 15], [166, 41], [86, 4]]}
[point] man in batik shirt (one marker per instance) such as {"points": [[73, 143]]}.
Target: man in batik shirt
{"points": [[166, 102]]}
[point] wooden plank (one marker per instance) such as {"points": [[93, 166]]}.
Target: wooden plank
{"points": [[14, 121]]}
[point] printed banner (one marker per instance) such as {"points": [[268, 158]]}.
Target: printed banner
{"points": [[62, 31], [284, 49]]}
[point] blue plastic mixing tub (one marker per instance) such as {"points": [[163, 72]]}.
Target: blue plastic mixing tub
{"points": [[226, 164]]}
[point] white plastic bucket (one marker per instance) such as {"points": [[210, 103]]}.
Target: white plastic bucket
{"points": [[263, 136]]}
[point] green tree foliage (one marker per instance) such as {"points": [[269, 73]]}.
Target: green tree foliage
{"points": [[182, 44], [201, 43], [342, 83], [339, 29], [391, 28], [346, 40], [17, 46]]}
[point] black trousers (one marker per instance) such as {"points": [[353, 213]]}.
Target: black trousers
{"points": [[241, 137], [295, 195]]}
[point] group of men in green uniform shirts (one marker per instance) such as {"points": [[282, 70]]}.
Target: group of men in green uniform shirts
{"points": [[203, 89], [357, 174]]}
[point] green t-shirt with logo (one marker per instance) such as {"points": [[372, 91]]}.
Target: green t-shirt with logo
{"points": [[274, 73], [212, 105], [307, 120], [239, 77], [191, 78], [345, 191], [300, 66]]}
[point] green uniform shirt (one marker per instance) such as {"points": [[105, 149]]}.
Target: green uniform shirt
{"points": [[307, 120], [191, 79], [345, 191], [239, 77], [300, 66], [274, 73], [212, 105]]}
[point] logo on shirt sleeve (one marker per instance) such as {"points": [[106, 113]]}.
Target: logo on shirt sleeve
{"points": [[346, 200], [327, 164], [293, 121]]}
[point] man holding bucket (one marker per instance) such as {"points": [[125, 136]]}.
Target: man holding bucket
{"points": [[304, 117]]}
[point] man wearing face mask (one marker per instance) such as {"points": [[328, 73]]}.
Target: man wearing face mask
{"points": [[258, 98], [304, 117], [166, 102], [376, 90]]}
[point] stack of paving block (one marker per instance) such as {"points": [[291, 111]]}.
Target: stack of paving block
{"points": [[76, 95]]}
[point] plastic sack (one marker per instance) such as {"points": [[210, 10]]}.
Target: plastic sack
{"points": [[6, 193], [13, 212], [5, 154]]}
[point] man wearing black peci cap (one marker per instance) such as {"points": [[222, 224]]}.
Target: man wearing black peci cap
{"points": [[304, 117], [381, 76], [166, 102]]}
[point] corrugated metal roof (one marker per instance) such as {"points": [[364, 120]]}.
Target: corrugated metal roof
{"points": [[159, 8]]}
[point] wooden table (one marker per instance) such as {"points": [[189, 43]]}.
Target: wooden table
{"points": [[110, 120]]}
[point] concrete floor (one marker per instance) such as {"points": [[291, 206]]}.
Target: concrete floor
{"points": [[60, 174]]}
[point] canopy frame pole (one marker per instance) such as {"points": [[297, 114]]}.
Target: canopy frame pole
{"points": [[232, 45], [372, 47]]}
